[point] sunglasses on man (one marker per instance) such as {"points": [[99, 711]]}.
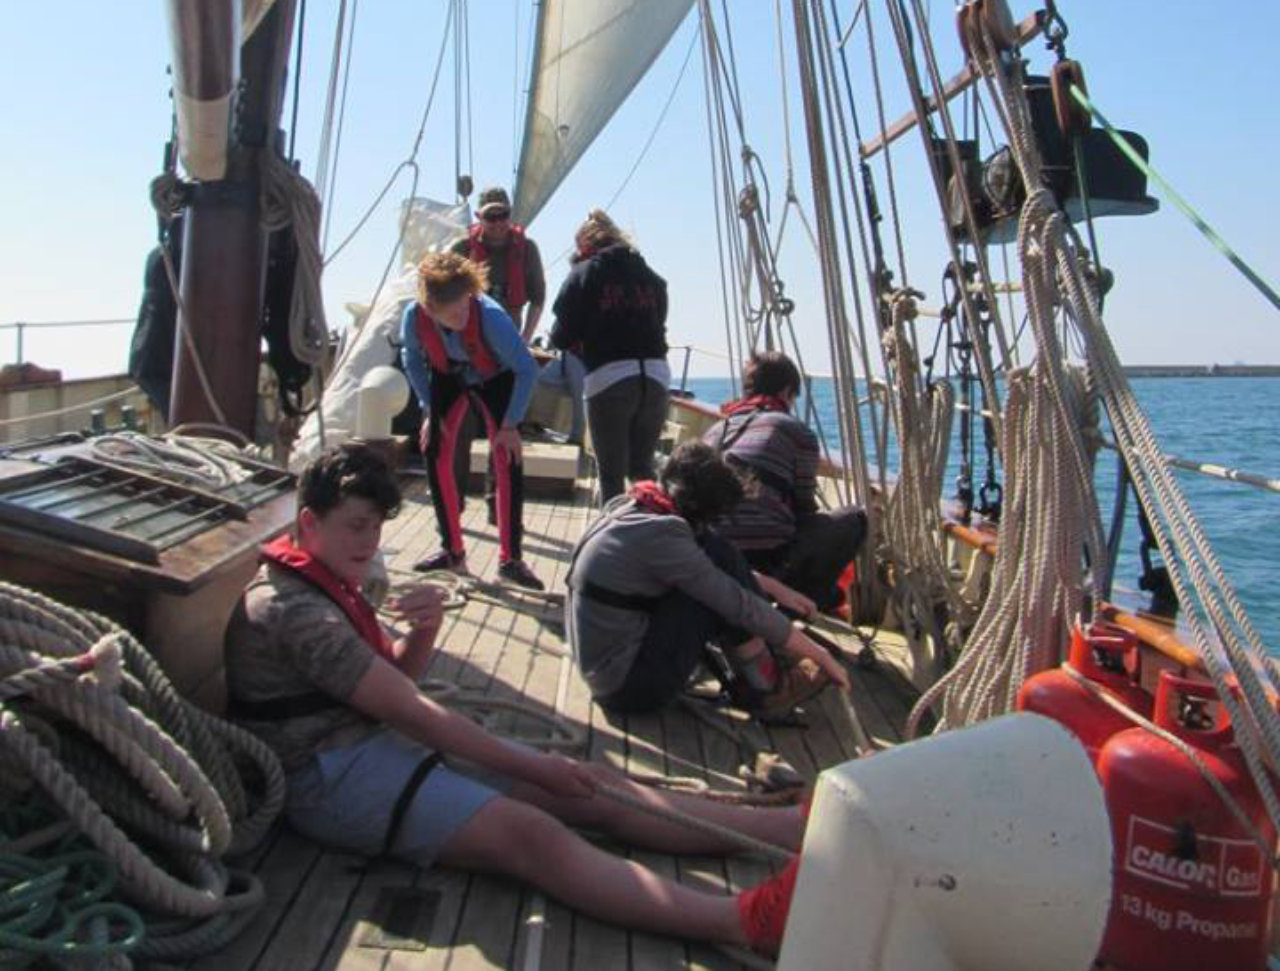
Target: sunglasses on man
{"points": [[496, 215]]}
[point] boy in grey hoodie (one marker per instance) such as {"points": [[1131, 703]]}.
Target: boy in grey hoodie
{"points": [[651, 585]]}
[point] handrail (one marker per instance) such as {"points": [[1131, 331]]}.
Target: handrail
{"points": [[1156, 634], [1211, 469], [22, 326], [41, 325]]}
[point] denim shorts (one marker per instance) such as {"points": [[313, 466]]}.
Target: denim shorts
{"points": [[344, 798]]}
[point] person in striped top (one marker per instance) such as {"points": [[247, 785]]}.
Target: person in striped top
{"points": [[779, 527]]}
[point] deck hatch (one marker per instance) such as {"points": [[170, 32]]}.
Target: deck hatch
{"points": [[125, 513]]}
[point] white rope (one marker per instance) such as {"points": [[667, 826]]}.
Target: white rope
{"points": [[1233, 654], [126, 705], [324, 153], [1038, 574], [287, 199], [207, 463], [911, 540]]}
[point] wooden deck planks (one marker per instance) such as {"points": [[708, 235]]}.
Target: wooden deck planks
{"points": [[283, 870]]}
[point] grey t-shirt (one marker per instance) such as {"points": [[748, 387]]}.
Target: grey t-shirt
{"points": [[286, 639], [637, 553]]}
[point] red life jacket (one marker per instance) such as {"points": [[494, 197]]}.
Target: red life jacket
{"points": [[757, 402], [653, 498], [517, 297], [432, 342], [283, 552]]}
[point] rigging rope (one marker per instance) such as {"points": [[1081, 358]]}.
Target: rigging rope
{"points": [[411, 164], [1206, 230], [1229, 646], [331, 170], [903, 35], [323, 154], [912, 542], [856, 480], [662, 115], [732, 319]]}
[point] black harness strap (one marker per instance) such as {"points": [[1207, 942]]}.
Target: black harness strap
{"points": [[280, 709], [612, 598], [405, 800], [603, 595]]}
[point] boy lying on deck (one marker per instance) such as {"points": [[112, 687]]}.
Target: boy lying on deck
{"points": [[374, 766]]}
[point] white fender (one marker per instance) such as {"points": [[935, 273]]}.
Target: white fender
{"points": [[383, 393], [985, 849]]}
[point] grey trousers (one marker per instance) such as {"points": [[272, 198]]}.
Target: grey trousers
{"points": [[626, 421]]}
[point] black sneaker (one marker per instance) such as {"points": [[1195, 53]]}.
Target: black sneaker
{"points": [[493, 510], [518, 573], [444, 560]]}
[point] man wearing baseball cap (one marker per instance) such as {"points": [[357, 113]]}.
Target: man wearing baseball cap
{"points": [[512, 258]]}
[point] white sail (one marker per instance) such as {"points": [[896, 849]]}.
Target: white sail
{"points": [[589, 55]]}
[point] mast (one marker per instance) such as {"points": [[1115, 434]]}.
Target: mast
{"points": [[224, 243]]}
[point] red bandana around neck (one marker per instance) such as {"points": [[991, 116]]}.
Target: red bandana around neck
{"points": [[757, 402], [284, 552], [649, 495]]}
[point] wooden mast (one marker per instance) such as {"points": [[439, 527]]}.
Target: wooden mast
{"points": [[224, 244]]}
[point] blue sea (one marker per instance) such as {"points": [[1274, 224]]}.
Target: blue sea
{"points": [[1225, 421]]}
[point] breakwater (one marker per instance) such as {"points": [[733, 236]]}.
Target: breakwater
{"points": [[1203, 370]]}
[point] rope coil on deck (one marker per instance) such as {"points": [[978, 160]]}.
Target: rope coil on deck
{"points": [[91, 728]]}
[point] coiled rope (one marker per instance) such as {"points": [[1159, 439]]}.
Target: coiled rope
{"points": [[129, 759], [911, 541], [203, 462], [287, 199]]}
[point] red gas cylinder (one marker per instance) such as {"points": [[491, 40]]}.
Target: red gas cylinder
{"points": [[1192, 888], [848, 585], [1105, 654]]}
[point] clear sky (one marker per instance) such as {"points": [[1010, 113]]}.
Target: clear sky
{"points": [[85, 110]]}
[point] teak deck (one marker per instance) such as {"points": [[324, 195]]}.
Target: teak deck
{"points": [[330, 910]]}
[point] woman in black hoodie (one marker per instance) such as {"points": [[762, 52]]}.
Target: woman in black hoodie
{"points": [[612, 312]]}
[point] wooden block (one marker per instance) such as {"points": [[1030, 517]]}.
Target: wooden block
{"points": [[550, 471]]}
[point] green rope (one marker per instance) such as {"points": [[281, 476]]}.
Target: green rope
{"points": [[54, 903], [1145, 168]]}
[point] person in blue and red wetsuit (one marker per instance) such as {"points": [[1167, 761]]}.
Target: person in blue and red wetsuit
{"points": [[461, 350], [514, 278]]}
